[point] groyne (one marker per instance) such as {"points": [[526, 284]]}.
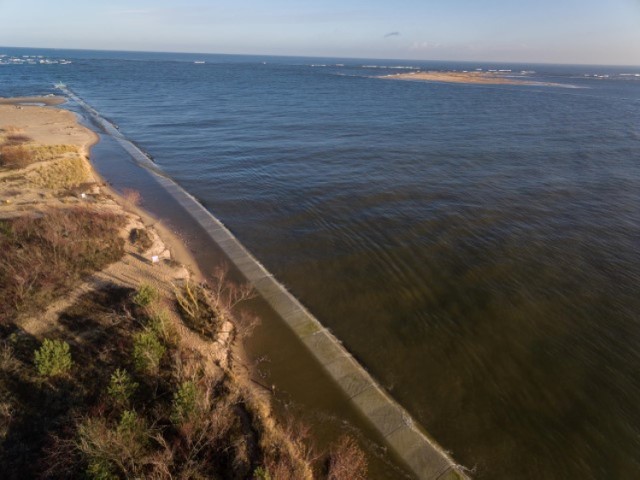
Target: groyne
{"points": [[420, 453]]}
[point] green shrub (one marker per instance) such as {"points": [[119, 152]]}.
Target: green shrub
{"points": [[147, 351], [101, 469], [261, 473], [132, 425], [53, 358], [185, 402], [146, 295], [121, 387], [161, 325]]}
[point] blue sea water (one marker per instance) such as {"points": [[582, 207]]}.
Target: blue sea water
{"points": [[477, 247]]}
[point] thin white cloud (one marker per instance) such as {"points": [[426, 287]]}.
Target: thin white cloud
{"points": [[422, 46]]}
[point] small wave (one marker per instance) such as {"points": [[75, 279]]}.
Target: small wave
{"points": [[32, 60], [595, 75], [391, 67]]}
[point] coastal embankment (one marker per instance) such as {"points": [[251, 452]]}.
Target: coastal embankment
{"points": [[115, 361], [394, 426]]}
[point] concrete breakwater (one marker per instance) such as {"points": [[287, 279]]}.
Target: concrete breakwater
{"points": [[421, 454]]}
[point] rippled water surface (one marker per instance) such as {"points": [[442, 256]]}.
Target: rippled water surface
{"points": [[476, 247]]}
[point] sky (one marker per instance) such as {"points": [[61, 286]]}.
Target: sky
{"points": [[544, 31]]}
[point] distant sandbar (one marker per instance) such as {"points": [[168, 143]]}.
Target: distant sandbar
{"points": [[482, 78]]}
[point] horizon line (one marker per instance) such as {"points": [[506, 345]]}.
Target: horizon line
{"points": [[516, 62]]}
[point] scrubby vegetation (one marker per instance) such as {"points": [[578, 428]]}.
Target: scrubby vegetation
{"points": [[45, 256], [141, 239], [205, 310], [134, 405]]}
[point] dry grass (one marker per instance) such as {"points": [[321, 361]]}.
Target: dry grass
{"points": [[45, 257], [6, 415], [15, 156], [288, 452], [115, 451], [65, 173], [131, 197], [8, 362], [20, 155], [347, 461], [42, 153]]}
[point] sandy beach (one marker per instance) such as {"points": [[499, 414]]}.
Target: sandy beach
{"points": [[50, 127], [48, 100]]}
